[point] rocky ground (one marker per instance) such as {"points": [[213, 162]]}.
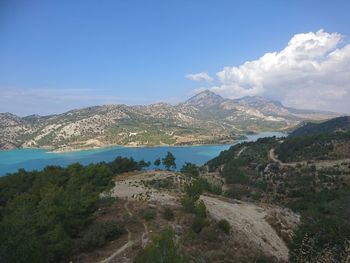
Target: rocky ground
{"points": [[260, 228]]}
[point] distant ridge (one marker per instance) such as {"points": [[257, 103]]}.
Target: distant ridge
{"points": [[205, 118]]}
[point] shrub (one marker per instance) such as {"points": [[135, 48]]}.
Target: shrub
{"points": [[168, 214], [201, 210], [198, 224], [235, 176], [164, 183], [210, 234], [162, 249], [190, 169], [99, 233], [188, 203], [224, 226], [215, 189], [149, 214], [237, 192]]}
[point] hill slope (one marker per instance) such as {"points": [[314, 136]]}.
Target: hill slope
{"points": [[310, 175], [333, 125], [203, 119]]}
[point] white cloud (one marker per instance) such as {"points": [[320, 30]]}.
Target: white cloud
{"points": [[312, 71], [202, 76]]}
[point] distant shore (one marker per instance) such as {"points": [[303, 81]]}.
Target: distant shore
{"points": [[68, 149], [71, 149]]}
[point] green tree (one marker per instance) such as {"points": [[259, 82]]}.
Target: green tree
{"points": [[143, 164], [169, 161], [157, 162], [190, 169]]}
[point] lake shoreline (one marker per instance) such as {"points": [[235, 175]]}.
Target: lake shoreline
{"points": [[38, 158], [58, 151]]}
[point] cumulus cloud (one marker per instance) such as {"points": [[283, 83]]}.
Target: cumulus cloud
{"points": [[202, 76], [312, 71]]}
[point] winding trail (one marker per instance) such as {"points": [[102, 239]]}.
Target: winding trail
{"points": [[127, 245], [144, 238]]}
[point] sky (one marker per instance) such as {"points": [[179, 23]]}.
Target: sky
{"points": [[60, 55]]}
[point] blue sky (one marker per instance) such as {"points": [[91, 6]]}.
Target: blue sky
{"points": [[58, 55]]}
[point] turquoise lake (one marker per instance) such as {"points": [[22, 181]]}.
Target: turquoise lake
{"points": [[36, 159]]}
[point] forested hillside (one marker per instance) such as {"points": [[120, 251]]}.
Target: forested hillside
{"points": [[333, 125], [49, 215], [310, 174]]}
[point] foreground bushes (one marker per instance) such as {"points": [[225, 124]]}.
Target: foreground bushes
{"points": [[162, 249], [224, 226], [324, 231], [99, 233]]}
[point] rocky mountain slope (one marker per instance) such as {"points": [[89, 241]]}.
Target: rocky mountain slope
{"points": [[203, 119]]}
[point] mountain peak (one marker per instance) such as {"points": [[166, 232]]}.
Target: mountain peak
{"points": [[204, 99]]}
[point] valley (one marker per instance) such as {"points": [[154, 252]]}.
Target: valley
{"points": [[248, 204]]}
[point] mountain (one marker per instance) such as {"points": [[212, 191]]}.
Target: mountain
{"points": [[204, 99], [205, 118], [333, 125]]}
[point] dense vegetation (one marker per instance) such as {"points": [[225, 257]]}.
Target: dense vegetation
{"points": [[322, 146], [249, 152], [324, 231], [333, 125], [321, 194], [48, 215]]}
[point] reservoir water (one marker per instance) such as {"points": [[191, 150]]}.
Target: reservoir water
{"points": [[36, 159]]}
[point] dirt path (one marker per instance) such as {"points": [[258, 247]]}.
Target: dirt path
{"points": [[248, 221], [272, 157], [240, 151], [144, 238], [127, 245]]}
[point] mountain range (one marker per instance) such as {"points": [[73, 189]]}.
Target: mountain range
{"points": [[206, 118]]}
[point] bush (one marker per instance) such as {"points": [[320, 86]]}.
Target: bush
{"points": [[149, 214], [99, 233], [209, 234], [162, 249], [190, 169], [215, 189], [168, 214], [189, 204], [163, 183], [233, 174], [224, 226], [237, 192], [198, 224], [201, 210]]}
